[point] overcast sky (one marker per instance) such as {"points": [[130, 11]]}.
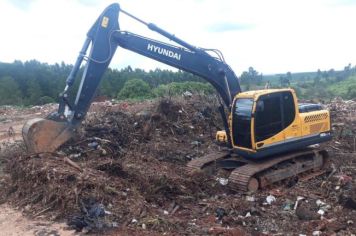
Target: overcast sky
{"points": [[273, 36]]}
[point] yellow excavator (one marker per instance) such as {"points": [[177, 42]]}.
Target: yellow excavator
{"points": [[267, 134]]}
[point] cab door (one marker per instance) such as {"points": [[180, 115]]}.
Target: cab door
{"points": [[241, 123], [275, 119], [268, 120]]}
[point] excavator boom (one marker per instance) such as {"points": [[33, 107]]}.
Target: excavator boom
{"points": [[46, 135]]}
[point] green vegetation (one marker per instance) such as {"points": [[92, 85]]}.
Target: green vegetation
{"points": [[35, 83], [175, 88], [320, 85], [139, 89], [346, 88], [45, 100], [250, 78], [135, 89], [9, 91]]}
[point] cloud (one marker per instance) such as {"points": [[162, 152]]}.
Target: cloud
{"points": [[272, 36], [88, 3], [21, 4], [343, 3], [226, 26]]}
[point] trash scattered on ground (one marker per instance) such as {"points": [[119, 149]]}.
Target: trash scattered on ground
{"points": [[220, 213], [130, 159], [288, 205], [91, 217], [270, 199], [223, 181], [250, 198]]}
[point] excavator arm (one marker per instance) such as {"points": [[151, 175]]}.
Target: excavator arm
{"points": [[103, 38]]}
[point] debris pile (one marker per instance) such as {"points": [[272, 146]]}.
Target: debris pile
{"points": [[125, 162], [125, 172], [343, 115]]}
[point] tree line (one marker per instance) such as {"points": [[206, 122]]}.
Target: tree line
{"points": [[320, 85], [35, 83]]}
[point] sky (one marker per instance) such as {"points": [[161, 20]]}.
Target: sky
{"points": [[274, 36]]}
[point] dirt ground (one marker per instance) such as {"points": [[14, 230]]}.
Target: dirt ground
{"points": [[124, 174], [14, 223]]}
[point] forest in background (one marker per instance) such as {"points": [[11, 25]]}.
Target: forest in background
{"points": [[35, 83]]}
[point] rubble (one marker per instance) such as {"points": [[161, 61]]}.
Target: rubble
{"points": [[343, 124], [129, 159], [305, 212]]}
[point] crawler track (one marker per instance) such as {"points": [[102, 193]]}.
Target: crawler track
{"points": [[250, 176], [208, 160]]}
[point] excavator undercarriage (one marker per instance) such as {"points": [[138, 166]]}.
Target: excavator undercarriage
{"points": [[251, 175]]}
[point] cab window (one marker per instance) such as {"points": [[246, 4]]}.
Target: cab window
{"points": [[274, 112], [288, 108], [268, 117], [241, 127]]}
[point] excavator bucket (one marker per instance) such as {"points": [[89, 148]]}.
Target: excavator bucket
{"points": [[43, 135]]}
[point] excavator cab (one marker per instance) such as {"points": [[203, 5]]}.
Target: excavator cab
{"points": [[266, 122]]}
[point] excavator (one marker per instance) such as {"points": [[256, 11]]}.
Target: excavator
{"points": [[268, 136]]}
